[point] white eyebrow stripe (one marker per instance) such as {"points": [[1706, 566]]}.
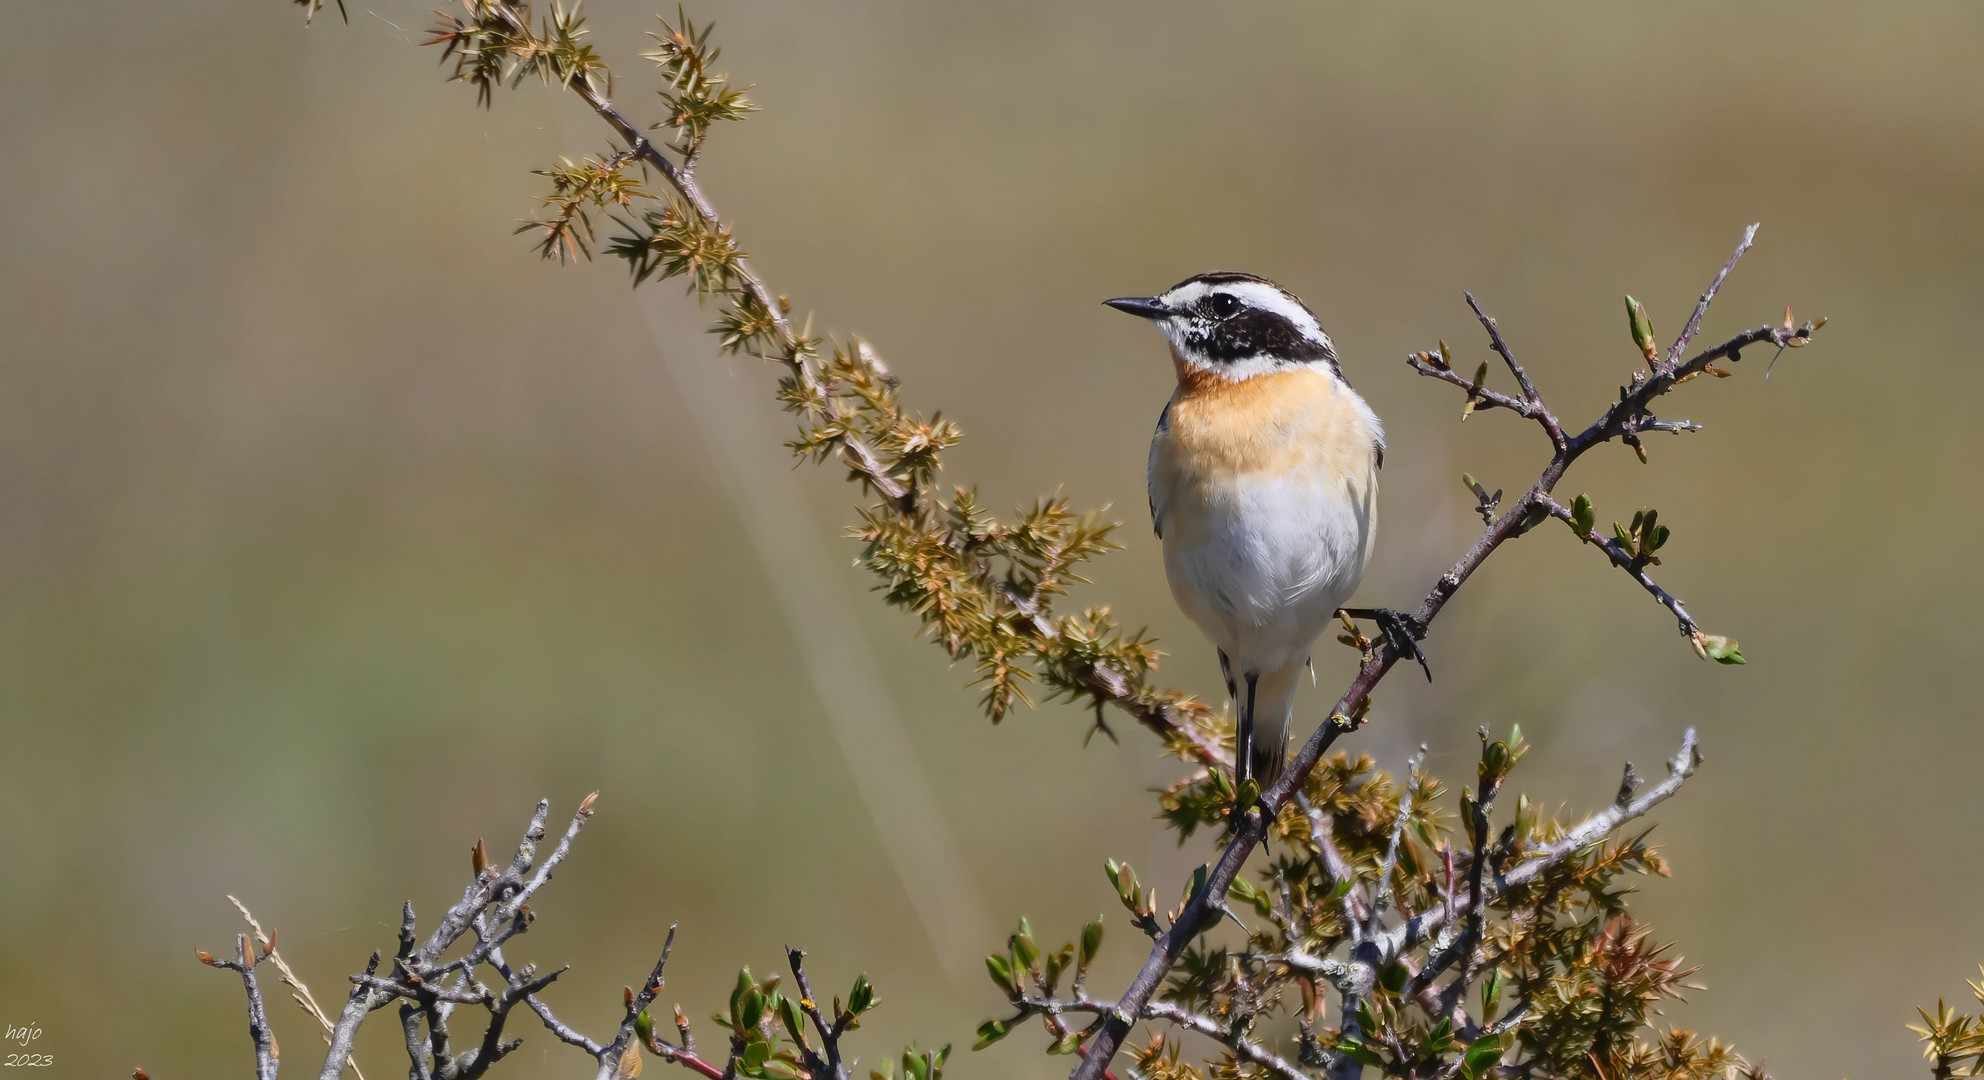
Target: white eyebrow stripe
{"points": [[1185, 295], [1255, 294], [1269, 298]]}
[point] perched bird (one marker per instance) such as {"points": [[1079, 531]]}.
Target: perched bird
{"points": [[1264, 491]]}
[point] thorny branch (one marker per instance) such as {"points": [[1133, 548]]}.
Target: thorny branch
{"points": [[942, 560], [493, 910]]}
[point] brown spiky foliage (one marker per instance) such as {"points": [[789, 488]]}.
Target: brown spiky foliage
{"points": [[1953, 1041], [1395, 925], [1391, 933]]}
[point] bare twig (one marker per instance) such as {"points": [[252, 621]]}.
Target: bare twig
{"points": [[1624, 560], [1590, 831], [245, 959], [431, 989], [829, 1033], [1243, 1047], [1536, 409], [1694, 326], [299, 993]]}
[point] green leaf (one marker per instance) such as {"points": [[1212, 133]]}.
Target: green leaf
{"points": [[1091, 941], [644, 1027], [1057, 962], [991, 1031], [1582, 516], [1002, 971], [745, 986], [1354, 1048], [1473, 399], [1641, 326], [1482, 1055], [1439, 1039], [1196, 882], [1393, 976], [1025, 952], [795, 1021], [1250, 894], [1221, 784], [862, 997], [1722, 650]]}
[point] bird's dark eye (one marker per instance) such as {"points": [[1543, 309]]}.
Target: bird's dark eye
{"points": [[1223, 306]]}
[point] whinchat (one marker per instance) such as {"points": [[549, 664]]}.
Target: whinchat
{"points": [[1263, 485]]}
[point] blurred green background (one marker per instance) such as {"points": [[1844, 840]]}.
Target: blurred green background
{"points": [[338, 529]]}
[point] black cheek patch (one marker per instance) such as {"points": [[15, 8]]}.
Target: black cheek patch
{"points": [[1255, 332]]}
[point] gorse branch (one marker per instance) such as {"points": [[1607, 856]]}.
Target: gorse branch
{"points": [[983, 588], [1953, 1041], [1464, 947]]}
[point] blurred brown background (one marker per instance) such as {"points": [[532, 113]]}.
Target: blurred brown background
{"points": [[338, 529]]}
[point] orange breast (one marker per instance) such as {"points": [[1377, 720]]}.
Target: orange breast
{"points": [[1295, 420]]}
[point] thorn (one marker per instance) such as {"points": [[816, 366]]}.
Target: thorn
{"points": [[1628, 784]]}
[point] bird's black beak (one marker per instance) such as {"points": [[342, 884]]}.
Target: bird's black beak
{"points": [[1148, 307]]}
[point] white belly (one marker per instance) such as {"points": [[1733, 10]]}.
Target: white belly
{"points": [[1261, 563]]}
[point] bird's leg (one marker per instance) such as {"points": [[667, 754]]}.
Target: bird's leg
{"points": [[1243, 766], [1402, 632], [1243, 746]]}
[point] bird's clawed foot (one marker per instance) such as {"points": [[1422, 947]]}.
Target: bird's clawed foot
{"points": [[1236, 817], [1402, 632]]}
